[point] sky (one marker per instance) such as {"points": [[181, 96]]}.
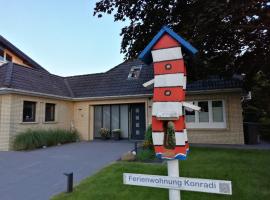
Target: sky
{"points": [[63, 36]]}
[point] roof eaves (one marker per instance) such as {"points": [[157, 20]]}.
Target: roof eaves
{"points": [[20, 53]]}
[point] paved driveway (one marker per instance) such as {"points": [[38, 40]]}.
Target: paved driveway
{"points": [[37, 175]]}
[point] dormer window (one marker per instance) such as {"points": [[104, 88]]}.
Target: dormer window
{"points": [[134, 72]]}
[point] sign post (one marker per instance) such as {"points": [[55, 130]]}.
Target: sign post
{"points": [[173, 171]]}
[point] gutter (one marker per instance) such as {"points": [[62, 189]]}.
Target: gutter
{"points": [[5, 90], [38, 94]]}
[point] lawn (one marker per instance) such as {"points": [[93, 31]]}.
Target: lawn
{"points": [[247, 169]]}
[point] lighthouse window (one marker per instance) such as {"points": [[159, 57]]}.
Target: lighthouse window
{"points": [[134, 72]]}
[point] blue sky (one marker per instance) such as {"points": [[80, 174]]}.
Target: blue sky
{"points": [[62, 35]]}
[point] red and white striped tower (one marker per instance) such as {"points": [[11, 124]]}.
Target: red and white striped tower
{"points": [[169, 95], [169, 98]]}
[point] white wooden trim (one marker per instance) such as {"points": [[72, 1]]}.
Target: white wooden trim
{"points": [[185, 82], [180, 138], [158, 138], [191, 106], [167, 54], [167, 109], [149, 83], [185, 134], [170, 80]]}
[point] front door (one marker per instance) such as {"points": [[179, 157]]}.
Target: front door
{"points": [[137, 121]]}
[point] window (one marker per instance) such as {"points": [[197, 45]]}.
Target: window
{"points": [[217, 109], [49, 112], [204, 112], [111, 117], [8, 57], [212, 115], [134, 72], [2, 54], [29, 111]]}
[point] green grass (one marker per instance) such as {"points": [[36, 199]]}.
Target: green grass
{"points": [[33, 139], [247, 169]]}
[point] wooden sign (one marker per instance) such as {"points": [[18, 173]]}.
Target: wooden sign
{"points": [[179, 183]]}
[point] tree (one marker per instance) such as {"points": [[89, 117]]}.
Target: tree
{"points": [[232, 36]]}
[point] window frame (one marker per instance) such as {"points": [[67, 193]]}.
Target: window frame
{"points": [[54, 113], [211, 124], [33, 112], [10, 59]]}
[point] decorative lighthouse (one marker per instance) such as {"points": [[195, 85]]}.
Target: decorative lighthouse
{"points": [[168, 121]]}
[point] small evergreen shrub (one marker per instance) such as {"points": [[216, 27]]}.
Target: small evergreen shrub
{"points": [[104, 133], [34, 139], [148, 142]]}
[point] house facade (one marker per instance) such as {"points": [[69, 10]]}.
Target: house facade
{"points": [[33, 98]]}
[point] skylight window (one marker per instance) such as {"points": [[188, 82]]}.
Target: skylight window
{"points": [[134, 72]]}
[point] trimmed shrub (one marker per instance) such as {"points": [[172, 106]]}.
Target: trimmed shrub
{"points": [[34, 139]]}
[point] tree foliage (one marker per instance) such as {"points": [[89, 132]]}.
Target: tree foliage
{"points": [[232, 36]]}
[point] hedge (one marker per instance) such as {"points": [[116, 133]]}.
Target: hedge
{"points": [[34, 139]]}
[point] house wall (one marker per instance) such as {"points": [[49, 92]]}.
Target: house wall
{"points": [[233, 133], [5, 126], [81, 116], [84, 114], [15, 59], [12, 111]]}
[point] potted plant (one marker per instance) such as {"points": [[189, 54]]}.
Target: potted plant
{"points": [[104, 133], [116, 133]]}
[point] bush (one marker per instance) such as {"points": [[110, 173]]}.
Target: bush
{"points": [[104, 133], [145, 155], [33, 139], [148, 142]]}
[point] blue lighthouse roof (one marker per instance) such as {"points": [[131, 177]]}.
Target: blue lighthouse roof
{"points": [[145, 55]]}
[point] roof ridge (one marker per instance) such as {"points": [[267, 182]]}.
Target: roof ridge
{"points": [[68, 87], [84, 75], [8, 77]]}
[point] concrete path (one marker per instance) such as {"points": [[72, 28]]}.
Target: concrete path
{"points": [[37, 175]]}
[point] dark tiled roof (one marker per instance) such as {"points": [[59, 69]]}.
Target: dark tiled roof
{"points": [[214, 84], [114, 82], [29, 79], [5, 43]]}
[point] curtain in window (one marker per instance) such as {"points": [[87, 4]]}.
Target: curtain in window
{"points": [[106, 117], [124, 120], [97, 120], [115, 117]]}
